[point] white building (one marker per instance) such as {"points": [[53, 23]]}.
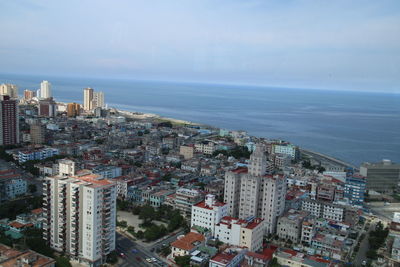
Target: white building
{"points": [[324, 210], [66, 167], [244, 233], [38, 154], [9, 89], [287, 149], [108, 172], [208, 213], [88, 99], [45, 90], [205, 147], [253, 193], [80, 216]]}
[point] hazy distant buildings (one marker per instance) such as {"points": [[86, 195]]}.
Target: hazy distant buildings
{"points": [[73, 109], [45, 90], [251, 192], [9, 122], [9, 89], [28, 95], [88, 98], [92, 99], [98, 100], [382, 177], [80, 216]]}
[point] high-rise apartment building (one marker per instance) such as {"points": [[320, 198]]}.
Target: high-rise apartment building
{"points": [[28, 95], [80, 216], [88, 98], [354, 190], [250, 192], [45, 90], [38, 133], [73, 109], [98, 100], [9, 122], [383, 177], [9, 89]]}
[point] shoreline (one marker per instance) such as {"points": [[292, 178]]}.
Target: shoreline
{"points": [[144, 116]]}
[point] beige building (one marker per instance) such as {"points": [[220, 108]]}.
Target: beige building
{"points": [[250, 192], [186, 151], [73, 109], [38, 133], [290, 225]]}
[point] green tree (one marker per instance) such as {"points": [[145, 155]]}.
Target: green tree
{"points": [[139, 234], [112, 258], [63, 262], [147, 213], [176, 221], [274, 263], [372, 254], [166, 251], [183, 261], [122, 224], [32, 188]]}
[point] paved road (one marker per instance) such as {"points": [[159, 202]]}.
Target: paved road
{"points": [[364, 246], [126, 245]]}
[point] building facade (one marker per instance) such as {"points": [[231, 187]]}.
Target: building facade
{"points": [[253, 193], [88, 98], [9, 121], [382, 177], [80, 216]]}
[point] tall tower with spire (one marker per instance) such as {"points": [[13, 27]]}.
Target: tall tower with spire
{"points": [[251, 192]]}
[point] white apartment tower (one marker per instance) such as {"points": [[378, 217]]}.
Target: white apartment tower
{"points": [[80, 216], [45, 90], [88, 98], [98, 100], [250, 192], [9, 89]]}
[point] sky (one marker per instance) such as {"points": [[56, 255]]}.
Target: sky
{"points": [[348, 45]]}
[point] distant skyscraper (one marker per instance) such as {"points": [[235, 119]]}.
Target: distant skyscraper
{"points": [[80, 215], [251, 192], [9, 123], [28, 95], [9, 89], [73, 109], [88, 98], [45, 90], [98, 100]]}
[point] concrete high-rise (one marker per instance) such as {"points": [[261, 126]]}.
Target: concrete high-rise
{"points": [[45, 90], [251, 193], [88, 98], [38, 133], [98, 100], [80, 216], [9, 122], [9, 89]]}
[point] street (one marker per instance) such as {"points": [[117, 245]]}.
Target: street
{"points": [[126, 245], [364, 246]]}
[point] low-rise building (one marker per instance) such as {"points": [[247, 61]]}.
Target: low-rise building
{"points": [[228, 258], [291, 258], [186, 151], [11, 257], [185, 245], [37, 154], [290, 225]]}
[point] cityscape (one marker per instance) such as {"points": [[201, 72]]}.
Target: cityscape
{"points": [[229, 133], [88, 185]]}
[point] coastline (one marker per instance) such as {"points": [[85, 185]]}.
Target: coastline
{"points": [[321, 156], [153, 116]]}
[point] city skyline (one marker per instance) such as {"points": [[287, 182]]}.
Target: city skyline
{"points": [[340, 45]]}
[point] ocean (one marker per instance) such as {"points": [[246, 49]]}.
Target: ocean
{"points": [[351, 126]]}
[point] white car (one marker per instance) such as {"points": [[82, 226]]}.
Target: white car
{"points": [[148, 260], [153, 260]]}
